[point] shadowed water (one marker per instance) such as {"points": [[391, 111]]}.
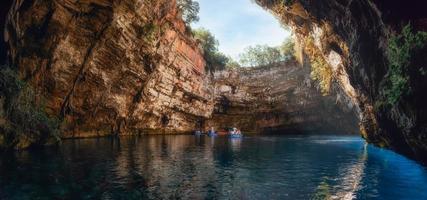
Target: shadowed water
{"points": [[189, 167]]}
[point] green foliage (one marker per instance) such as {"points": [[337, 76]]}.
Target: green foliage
{"points": [[263, 55], [321, 72], [9, 82], [320, 69], [189, 10], [215, 60], [401, 49], [288, 2], [26, 117], [148, 32], [260, 55], [207, 40], [232, 64], [288, 48]]}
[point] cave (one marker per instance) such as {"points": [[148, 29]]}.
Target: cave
{"points": [[94, 58], [351, 38], [289, 101], [222, 106], [164, 120]]}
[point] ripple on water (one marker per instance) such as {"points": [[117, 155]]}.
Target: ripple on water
{"points": [[171, 167]]}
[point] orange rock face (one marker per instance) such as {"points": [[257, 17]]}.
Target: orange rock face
{"points": [[110, 67]]}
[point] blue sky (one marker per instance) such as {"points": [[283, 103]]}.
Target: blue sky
{"points": [[238, 24]]}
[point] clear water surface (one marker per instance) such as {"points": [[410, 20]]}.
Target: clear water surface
{"points": [[189, 167]]}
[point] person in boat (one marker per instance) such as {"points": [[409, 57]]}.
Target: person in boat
{"points": [[212, 131], [235, 131]]}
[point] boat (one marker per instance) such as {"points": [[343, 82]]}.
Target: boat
{"points": [[197, 133], [235, 136], [212, 134], [234, 133]]}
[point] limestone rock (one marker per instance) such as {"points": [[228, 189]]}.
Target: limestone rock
{"points": [[124, 67], [280, 98], [352, 36], [110, 67]]}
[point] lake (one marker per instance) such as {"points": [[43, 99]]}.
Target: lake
{"points": [[190, 167]]}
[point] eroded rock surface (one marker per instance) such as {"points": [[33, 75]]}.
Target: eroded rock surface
{"points": [[352, 36], [130, 67], [278, 99], [110, 67], [118, 67]]}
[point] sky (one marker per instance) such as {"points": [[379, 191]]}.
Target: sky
{"points": [[238, 24]]}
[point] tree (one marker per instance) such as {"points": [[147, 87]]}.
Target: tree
{"points": [[215, 60], [288, 48], [208, 42], [232, 64], [189, 10], [260, 55]]}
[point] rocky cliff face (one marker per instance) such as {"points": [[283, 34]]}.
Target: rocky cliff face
{"points": [[280, 98], [4, 9], [130, 67], [110, 67], [353, 37], [117, 67]]}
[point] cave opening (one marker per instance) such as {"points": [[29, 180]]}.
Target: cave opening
{"points": [[266, 83], [164, 120], [336, 75], [222, 106], [355, 54]]}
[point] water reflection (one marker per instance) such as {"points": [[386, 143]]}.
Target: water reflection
{"points": [[236, 143], [168, 166], [188, 167], [352, 177]]}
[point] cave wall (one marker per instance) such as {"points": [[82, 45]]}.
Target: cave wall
{"points": [[119, 67], [110, 67], [130, 67], [352, 36], [4, 9], [281, 98]]}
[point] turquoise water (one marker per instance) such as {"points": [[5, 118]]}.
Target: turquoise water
{"points": [[189, 167]]}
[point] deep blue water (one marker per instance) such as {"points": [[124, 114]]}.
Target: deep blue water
{"points": [[189, 167]]}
